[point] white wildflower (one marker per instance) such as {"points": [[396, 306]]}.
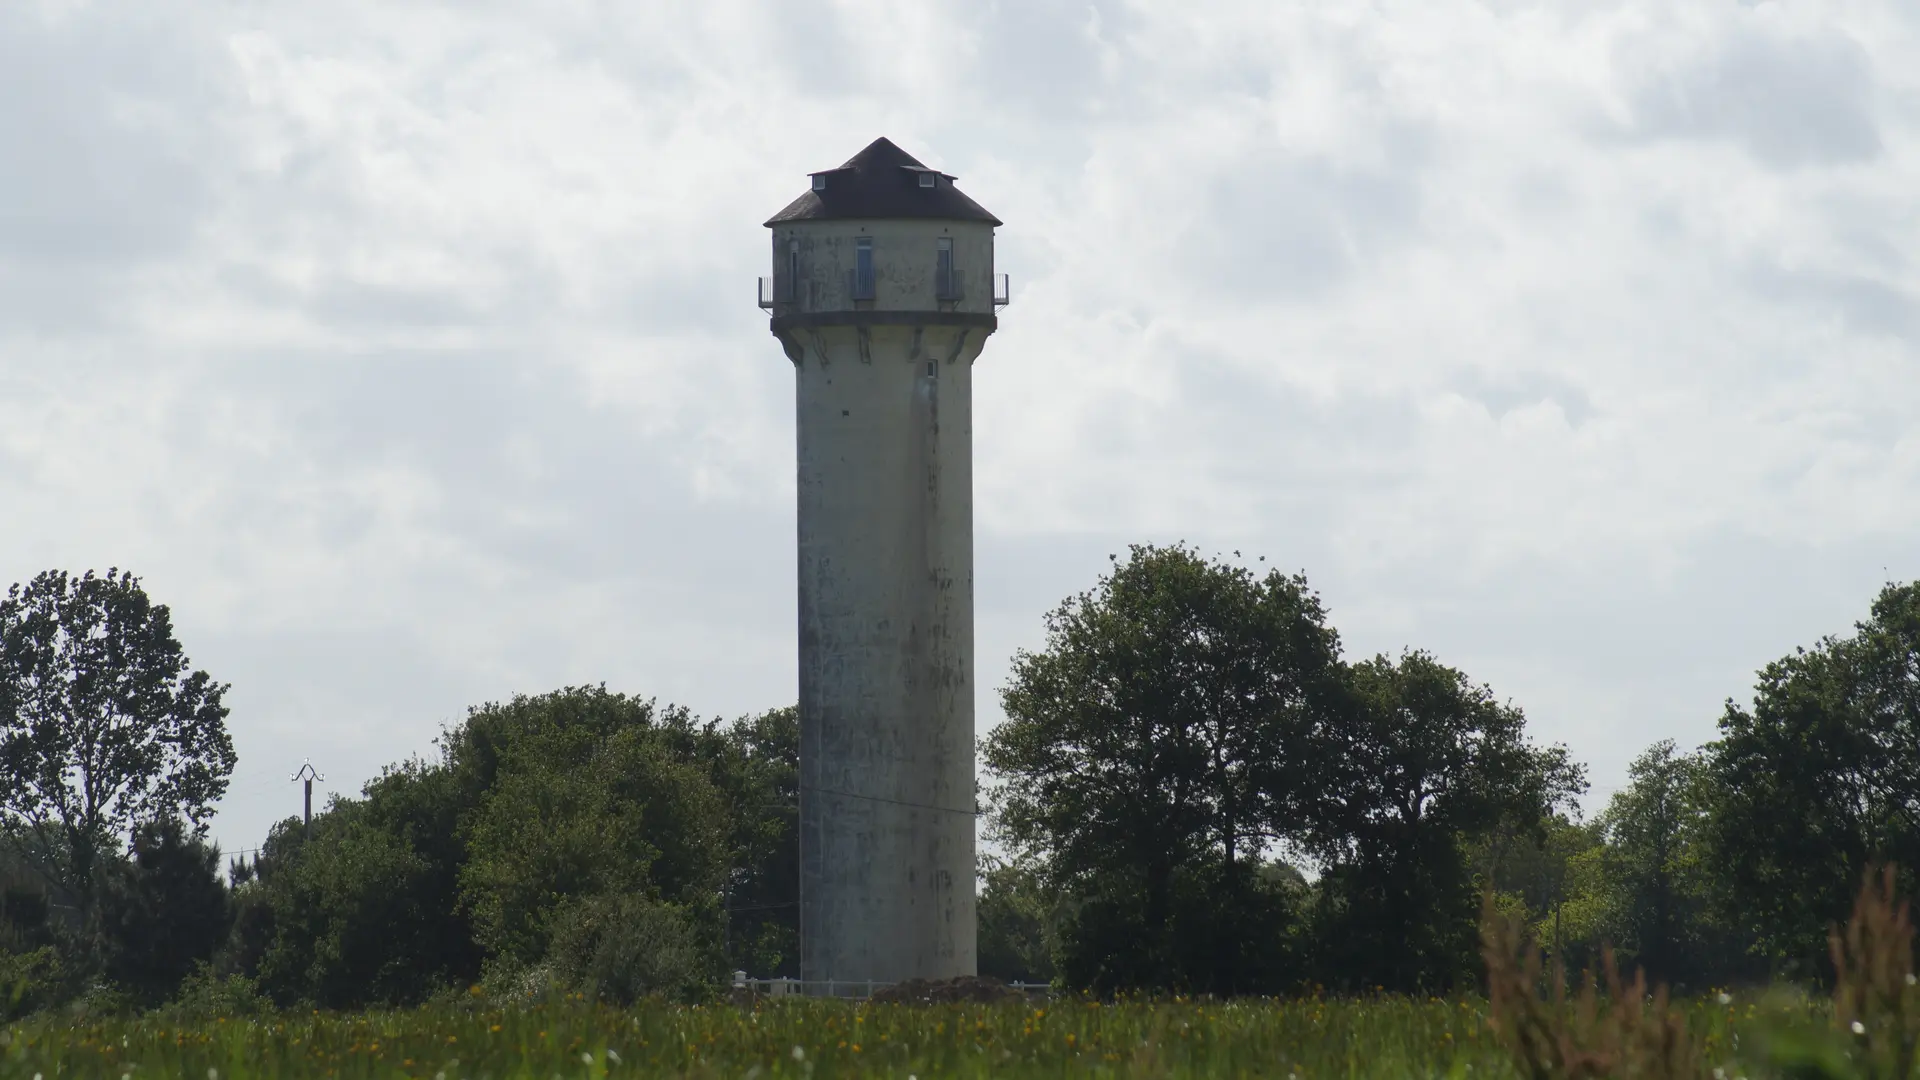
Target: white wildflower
{"points": [[799, 1054], [1859, 1028], [1725, 998], [1719, 1073], [586, 1058], [612, 1056]]}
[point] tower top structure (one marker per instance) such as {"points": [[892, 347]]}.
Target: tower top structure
{"points": [[882, 182]]}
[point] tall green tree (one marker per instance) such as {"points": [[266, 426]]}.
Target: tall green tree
{"points": [[1661, 870], [164, 912], [105, 724], [1547, 876], [1819, 779], [758, 772], [1016, 917], [1156, 750], [1424, 762], [340, 916], [573, 817], [558, 836]]}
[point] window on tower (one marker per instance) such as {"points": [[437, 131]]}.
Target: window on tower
{"points": [[863, 268], [819, 181], [792, 290], [946, 284], [928, 179]]}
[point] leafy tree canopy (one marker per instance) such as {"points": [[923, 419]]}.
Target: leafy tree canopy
{"points": [[1421, 761], [1188, 723], [103, 723], [1820, 778], [545, 830], [1155, 752]]}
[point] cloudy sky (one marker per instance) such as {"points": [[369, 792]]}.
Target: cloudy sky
{"points": [[408, 349]]}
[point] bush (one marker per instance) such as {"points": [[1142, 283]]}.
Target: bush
{"points": [[624, 948], [573, 816], [205, 995], [346, 909], [31, 981]]}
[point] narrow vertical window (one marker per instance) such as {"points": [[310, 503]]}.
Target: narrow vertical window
{"points": [[863, 268], [944, 284], [793, 271]]}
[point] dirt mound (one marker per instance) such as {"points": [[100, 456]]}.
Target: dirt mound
{"points": [[966, 988]]}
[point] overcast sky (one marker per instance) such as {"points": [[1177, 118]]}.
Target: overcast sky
{"points": [[408, 350]]}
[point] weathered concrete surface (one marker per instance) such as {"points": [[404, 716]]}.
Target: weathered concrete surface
{"points": [[885, 532]]}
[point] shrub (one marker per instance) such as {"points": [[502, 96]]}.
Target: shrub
{"points": [[205, 995], [31, 981], [626, 947]]}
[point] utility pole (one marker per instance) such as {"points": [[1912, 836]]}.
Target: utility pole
{"points": [[307, 775]]}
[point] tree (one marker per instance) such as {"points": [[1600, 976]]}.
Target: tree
{"points": [[165, 912], [1016, 916], [1155, 752], [554, 837], [1547, 876], [363, 906], [758, 771], [339, 914], [1424, 762], [573, 816], [1819, 780], [1660, 868], [105, 725]]}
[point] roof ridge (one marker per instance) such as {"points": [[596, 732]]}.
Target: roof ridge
{"points": [[880, 182]]}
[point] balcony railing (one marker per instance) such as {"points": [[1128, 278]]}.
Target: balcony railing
{"points": [[946, 286]]}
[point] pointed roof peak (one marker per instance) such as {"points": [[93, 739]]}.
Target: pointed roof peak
{"points": [[883, 181], [881, 152]]}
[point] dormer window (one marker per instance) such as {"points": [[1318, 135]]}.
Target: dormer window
{"points": [[927, 179], [819, 182]]}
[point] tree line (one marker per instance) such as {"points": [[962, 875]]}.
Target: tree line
{"points": [[1194, 790]]}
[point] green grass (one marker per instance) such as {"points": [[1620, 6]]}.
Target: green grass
{"points": [[1309, 1039]]}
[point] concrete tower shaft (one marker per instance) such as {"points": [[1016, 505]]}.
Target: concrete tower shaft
{"points": [[882, 310]]}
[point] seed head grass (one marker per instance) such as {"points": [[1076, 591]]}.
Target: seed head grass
{"points": [[1309, 1039]]}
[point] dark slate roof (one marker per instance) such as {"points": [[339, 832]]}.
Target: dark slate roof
{"points": [[883, 181]]}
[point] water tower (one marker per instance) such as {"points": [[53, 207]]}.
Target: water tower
{"points": [[883, 292]]}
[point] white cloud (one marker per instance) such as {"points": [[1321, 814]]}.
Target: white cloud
{"points": [[405, 347]]}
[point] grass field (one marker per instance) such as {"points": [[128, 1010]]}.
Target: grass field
{"points": [[1306, 1039]]}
